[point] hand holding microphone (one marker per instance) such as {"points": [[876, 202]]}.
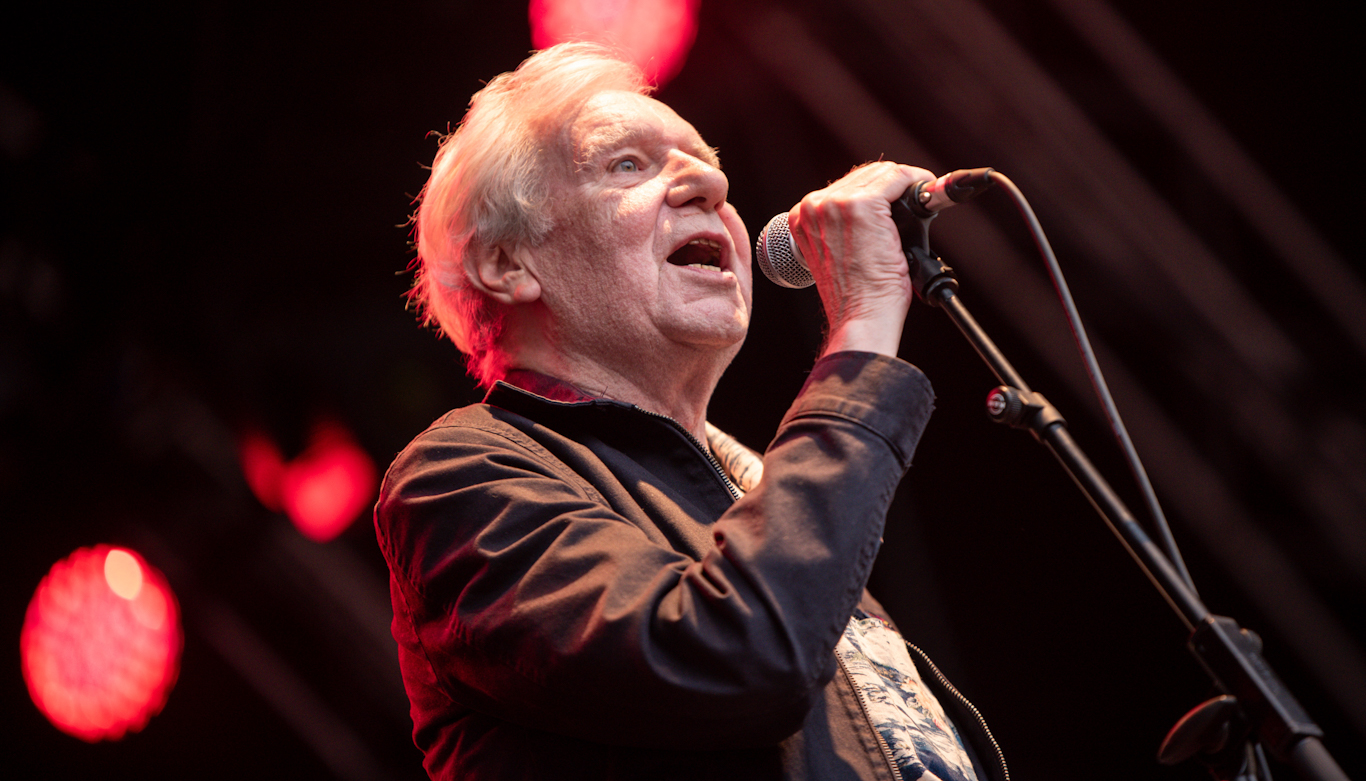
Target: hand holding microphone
{"points": [[845, 240], [783, 263], [845, 236]]}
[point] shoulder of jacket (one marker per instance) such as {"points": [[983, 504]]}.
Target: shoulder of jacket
{"points": [[481, 425], [485, 428]]}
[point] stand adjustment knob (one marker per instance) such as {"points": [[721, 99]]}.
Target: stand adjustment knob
{"points": [[1004, 405]]}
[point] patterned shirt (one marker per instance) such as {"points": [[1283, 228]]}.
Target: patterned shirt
{"points": [[924, 744]]}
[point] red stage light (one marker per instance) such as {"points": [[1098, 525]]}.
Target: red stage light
{"points": [[656, 33], [326, 487], [323, 490], [101, 643], [262, 466]]}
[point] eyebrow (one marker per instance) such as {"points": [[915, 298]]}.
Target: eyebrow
{"points": [[608, 139]]}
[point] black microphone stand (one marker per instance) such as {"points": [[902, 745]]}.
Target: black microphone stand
{"points": [[1255, 702]]}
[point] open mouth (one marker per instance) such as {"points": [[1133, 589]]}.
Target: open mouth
{"points": [[698, 253]]}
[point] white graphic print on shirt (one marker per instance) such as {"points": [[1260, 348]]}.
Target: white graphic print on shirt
{"points": [[924, 743]]}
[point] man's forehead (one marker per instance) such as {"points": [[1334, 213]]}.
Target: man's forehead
{"points": [[612, 119]]}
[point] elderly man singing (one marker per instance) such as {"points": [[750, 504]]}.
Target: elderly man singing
{"points": [[588, 580]]}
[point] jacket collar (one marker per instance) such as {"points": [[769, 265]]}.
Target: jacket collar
{"points": [[549, 400], [543, 385]]}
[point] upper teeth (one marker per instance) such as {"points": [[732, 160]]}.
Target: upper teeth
{"points": [[712, 253]]}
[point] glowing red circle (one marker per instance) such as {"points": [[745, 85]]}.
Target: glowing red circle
{"points": [[657, 34], [101, 643], [322, 490], [329, 484]]}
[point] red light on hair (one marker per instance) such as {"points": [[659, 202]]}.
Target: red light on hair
{"points": [[101, 643], [656, 33]]}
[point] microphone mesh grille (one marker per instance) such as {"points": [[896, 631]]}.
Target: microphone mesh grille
{"points": [[778, 258]]}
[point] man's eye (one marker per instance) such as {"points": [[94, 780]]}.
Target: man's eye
{"points": [[626, 165]]}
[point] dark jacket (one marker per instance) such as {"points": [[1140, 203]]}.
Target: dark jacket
{"points": [[578, 594]]}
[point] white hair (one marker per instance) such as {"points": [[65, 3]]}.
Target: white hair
{"points": [[490, 186]]}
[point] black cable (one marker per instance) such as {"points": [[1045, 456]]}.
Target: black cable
{"points": [[1164, 532]]}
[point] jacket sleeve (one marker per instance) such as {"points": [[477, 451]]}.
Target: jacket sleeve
{"points": [[531, 601]]}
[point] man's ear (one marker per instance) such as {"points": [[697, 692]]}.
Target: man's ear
{"points": [[504, 274]]}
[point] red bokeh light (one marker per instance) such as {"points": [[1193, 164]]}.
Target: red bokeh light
{"points": [[656, 33], [323, 490], [262, 466], [101, 643]]}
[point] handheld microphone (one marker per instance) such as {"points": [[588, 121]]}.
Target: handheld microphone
{"points": [[782, 262]]}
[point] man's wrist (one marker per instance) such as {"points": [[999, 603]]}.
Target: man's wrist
{"points": [[869, 335]]}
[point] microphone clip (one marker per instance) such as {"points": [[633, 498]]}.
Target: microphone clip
{"points": [[932, 279]]}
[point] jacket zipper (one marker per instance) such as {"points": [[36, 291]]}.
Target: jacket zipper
{"points": [[863, 705], [703, 449], [951, 689]]}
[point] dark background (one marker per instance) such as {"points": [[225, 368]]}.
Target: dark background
{"points": [[202, 229]]}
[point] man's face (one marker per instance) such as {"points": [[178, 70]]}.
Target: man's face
{"points": [[646, 254]]}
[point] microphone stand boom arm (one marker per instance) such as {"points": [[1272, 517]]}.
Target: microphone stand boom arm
{"points": [[1229, 654]]}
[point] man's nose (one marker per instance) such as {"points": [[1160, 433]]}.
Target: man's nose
{"points": [[695, 182]]}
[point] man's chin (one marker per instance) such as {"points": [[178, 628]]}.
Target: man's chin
{"points": [[723, 339]]}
